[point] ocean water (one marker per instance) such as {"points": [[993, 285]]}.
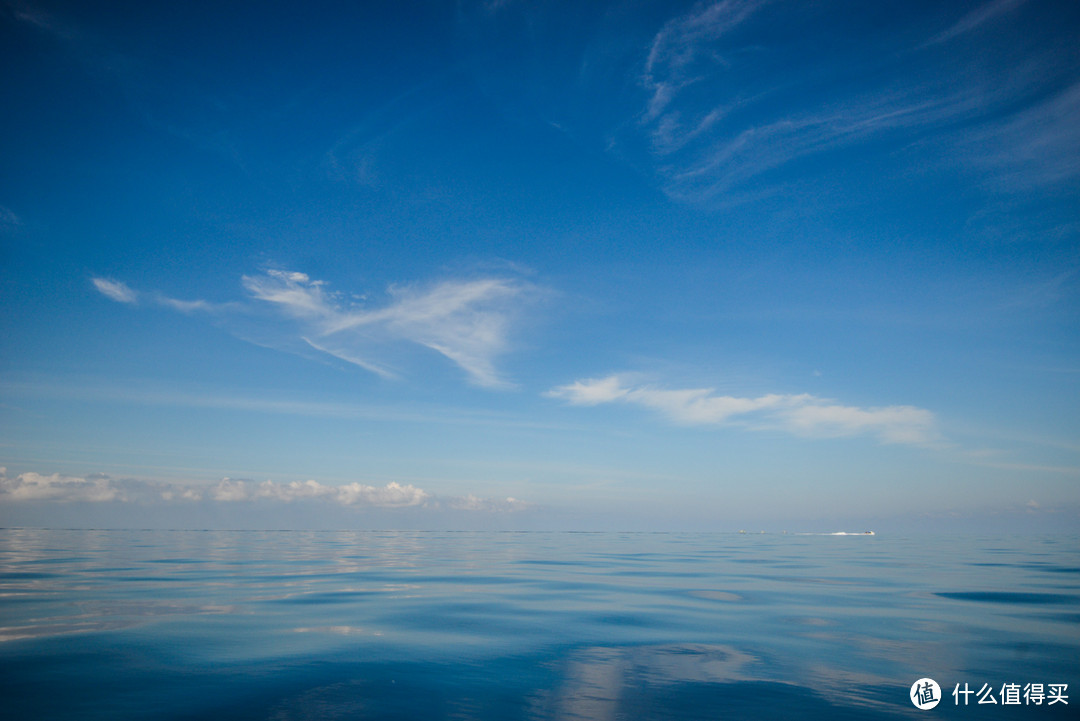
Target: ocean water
{"points": [[282, 625]]}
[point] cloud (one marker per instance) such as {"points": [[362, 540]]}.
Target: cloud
{"points": [[591, 392], [294, 293], [9, 221], [676, 52], [976, 18], [94, 488], [495, 505], [392, 495], [182, 494], [350, 357], [708, 136], [700, 164], [99, 488], [892, 424], [36, 487], [115, 290], [732, 99], [802, 414], [1037, 146], [123, 293], [185, 306], [468, 322]]}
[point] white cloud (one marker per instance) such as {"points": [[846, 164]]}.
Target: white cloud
{"points": [[697, 406], [32, 486], [467, 321], [99, 488], [590, 392], [892, 424], [184, 306], [497, 505], [182, 494], [36, 487], [123, 293], [294, 293], [801, 414], [228, 490], [115, 290], [349, 357], [392, 495]]}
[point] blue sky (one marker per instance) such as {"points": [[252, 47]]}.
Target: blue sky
{"points": [[572, 265]]}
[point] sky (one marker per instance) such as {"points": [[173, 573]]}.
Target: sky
{"points": [[525, 265]]}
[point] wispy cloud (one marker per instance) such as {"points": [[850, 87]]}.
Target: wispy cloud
{"points": [[349, 357], [115, 290], [802, 414], [9, 221], [677, 51], [141, 79], [726, 107], [266, 402], [1036, 147], [469, 322], [976, 18], [123, 293], [464, 320], [97, 56], [186, 306], [732, 161]]}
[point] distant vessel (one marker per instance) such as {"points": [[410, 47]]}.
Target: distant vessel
{"points": [[835, 533]]}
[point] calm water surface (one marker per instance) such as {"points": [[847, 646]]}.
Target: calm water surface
{"points": [[399, 625]]}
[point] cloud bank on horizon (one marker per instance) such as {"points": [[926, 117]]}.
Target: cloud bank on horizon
{"points": [[100, 488]]}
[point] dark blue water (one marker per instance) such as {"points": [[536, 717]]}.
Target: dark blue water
{"points": [[399, 625]]}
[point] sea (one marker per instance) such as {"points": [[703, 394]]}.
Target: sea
{"points": [[291, 625]]}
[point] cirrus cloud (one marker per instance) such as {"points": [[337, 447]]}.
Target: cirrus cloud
{"points": [[115, 290], [467, 321]]}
